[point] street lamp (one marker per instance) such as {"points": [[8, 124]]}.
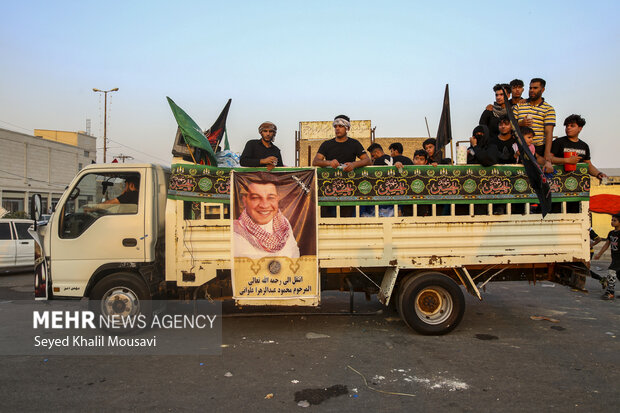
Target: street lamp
{"points": [[105, 118]]}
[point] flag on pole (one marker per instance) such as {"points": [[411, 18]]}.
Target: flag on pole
{"points": [[192, 134], [216, 132], [535, 174], [444, 132]]}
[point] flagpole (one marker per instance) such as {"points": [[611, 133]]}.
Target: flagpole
{"points": [[191, 153]]}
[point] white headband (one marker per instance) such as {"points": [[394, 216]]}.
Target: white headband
{"points": [[342, 122]]}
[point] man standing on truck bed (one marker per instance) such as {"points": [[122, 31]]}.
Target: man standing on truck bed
{"points": [[262, 152], [341, 151], [538, 115]]}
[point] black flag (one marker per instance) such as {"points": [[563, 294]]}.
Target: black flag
{"points": [[444, 132], [535, 174], [216, 132]]}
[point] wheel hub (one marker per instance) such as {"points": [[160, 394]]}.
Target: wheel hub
{"points": [[120, 302], [433, 305], [429, 302]]}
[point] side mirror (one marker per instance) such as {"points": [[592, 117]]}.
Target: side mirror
{"points": [[35, 209]]}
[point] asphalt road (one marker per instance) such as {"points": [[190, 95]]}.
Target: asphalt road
{"points": [[498, 359]]}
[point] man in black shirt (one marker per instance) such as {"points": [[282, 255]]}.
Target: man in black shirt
{"points": [[129, 194], [505, 142], [379, 158], [516, 87], [341, 151], [396, 150], [434, 155], [571, 143], [262, 152], [491, 114]]}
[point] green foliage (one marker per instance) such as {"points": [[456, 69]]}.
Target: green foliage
{"points": [[17, 215]]}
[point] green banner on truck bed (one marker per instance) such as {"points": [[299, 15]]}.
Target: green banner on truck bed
{"points": [[387, 184]]}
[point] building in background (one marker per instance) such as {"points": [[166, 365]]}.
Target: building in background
{"points": [[43, 163], [311, 134]]}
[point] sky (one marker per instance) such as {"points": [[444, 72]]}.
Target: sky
{"points": [[292, 61]]}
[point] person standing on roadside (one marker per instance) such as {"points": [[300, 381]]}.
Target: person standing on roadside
{"points": [[614, 267]]}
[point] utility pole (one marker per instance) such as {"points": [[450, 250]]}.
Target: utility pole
{"points": [[105, 118], [123, 157]]}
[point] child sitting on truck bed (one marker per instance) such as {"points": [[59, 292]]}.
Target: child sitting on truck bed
{"points": [[614, 267]]}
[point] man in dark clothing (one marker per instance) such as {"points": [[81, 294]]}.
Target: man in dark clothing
{"points": [[490, 116], [379, 158], [420, 157], [434, 156], [481, 151], [341, 151], [571, 143], [505, 142], [129, 194], [396, 150], [516, 87], [262, 152]]}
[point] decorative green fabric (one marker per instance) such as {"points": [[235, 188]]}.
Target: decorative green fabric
{"points": [[449, 184], [191, 131]]}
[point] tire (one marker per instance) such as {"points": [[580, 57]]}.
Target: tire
{"points": [[431, 303], [122, 294]]}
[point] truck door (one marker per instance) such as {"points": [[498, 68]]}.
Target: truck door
{"points": [[100, 221], [7, 245], [24, 244]]}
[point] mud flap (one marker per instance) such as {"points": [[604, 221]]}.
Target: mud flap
{"points": [[468, 282], [387, 285]]}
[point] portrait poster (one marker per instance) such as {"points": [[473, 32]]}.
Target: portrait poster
{"points": [[274, 238]]}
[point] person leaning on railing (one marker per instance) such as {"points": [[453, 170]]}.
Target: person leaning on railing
{"points": [[564, 146], [481, 151], [341, 151], [262, 152]]}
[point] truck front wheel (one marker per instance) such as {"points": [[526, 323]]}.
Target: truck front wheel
{"points": [[431, 303], [121, 295]]}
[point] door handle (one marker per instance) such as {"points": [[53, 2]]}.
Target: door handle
{"points": [[130, 242], [24, 242]]}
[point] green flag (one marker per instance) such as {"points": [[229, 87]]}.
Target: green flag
{"points": [[191, 131], [226, 144]]}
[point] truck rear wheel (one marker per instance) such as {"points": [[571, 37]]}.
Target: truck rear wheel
{"points": [[122, 295], [431, 303]]}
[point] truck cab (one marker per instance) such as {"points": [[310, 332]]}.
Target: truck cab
{"points": [[92, 234]]}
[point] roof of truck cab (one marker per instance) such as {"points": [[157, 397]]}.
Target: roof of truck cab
{"points": [[125, 166]]}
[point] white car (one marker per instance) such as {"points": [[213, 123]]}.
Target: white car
{"points": [[16, 245]]}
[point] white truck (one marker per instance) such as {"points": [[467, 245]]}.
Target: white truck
{"points": [[449, 227]]}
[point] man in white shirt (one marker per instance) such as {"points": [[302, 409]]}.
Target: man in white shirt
{"points": [[262, 230]]}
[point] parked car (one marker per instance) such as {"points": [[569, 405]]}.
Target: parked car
{"points": [[16, 245]]}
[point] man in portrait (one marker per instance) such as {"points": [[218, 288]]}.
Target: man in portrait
{"points": [[261, 229]]}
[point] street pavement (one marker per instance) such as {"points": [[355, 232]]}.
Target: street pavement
{"points": [[498, 360]]}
